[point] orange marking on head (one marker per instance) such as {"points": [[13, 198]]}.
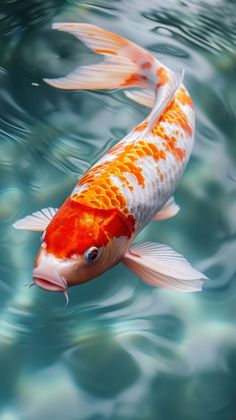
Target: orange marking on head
{"points": [[162, 75], [76, 227]]}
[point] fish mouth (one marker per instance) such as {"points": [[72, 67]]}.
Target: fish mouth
{"points": [[50, 281]]}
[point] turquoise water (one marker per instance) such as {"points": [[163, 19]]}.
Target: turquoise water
{"points": [[121, 350]]}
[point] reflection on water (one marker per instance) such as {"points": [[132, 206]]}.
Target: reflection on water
{"points": [[121, 350]]}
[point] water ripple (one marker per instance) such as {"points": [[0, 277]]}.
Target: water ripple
{"points": [[121, 349]]}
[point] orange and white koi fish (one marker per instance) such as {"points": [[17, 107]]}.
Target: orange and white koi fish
{"points": [[131, 185]]}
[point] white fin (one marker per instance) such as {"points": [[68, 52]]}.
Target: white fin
{"points": [[160, 265], [98, 39], [110, 74], [37, 221], [164, 96], [119, 68], [170, 209], [144, 97]]}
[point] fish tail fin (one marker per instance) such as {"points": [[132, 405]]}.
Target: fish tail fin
{"points": [[125, 64]]}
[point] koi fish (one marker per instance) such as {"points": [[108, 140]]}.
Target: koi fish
{"points": [[131, 185]]}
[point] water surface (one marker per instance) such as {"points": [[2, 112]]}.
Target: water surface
{"points": [[121, 350]]}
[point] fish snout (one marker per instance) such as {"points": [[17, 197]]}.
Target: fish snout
{"points": [[49, 280]]}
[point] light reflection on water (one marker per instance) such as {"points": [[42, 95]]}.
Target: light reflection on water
{"points": [[121, 350]]}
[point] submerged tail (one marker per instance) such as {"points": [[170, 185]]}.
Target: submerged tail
{"points": [[125, 65]]}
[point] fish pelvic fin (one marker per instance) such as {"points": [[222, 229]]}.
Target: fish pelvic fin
{"points": [[170, 209]]}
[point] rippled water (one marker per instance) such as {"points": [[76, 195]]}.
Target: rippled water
{"points": [[121, 349]]}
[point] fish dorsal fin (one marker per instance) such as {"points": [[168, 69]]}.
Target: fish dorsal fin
{"points": [[161, 266], [164, 96], [170, 209], [37, 221]]}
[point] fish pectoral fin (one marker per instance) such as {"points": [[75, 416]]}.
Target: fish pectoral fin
{"points": [[170, 209], [37, 221], [159, 265]]}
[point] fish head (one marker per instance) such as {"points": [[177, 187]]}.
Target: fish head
{"points": [[79, 244]]}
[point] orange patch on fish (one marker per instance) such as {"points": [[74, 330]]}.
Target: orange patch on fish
{"points": [[178, 133], [118, 39], [135, 79], [100, 191], [162, 75], [76, 227], [169, 143], [183, 97], [146, 65], [141, 126], [105, 51], [116, 148], [171, 146], [175, 115], [180, 153]]}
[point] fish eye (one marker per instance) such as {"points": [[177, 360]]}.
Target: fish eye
{"points": [[91, 254]]}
